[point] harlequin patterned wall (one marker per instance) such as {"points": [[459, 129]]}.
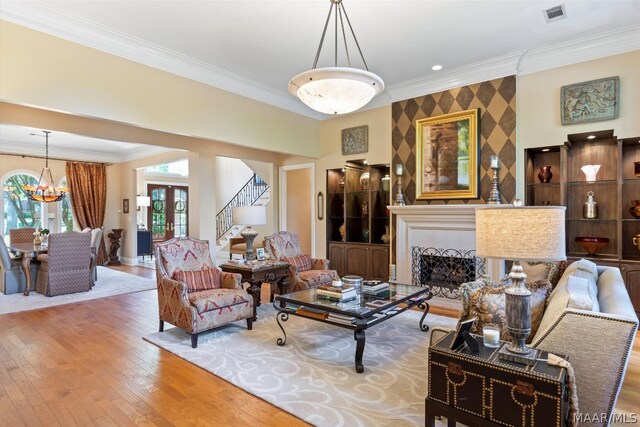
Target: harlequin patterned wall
{"points": [[497, 102]]}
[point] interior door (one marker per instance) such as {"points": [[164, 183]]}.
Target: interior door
{"points": [[169, 211]]}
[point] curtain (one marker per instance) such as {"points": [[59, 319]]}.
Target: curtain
{"points": [[88, 190]]}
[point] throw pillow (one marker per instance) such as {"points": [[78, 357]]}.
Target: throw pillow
{"points": [[198, 280], [468, 290], [536, 271], [488, 304], [301, 262], [585, 269]]}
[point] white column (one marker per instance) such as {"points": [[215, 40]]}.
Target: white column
{"points": [[202, 203]]}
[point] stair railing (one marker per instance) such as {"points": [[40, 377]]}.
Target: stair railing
{"points": [[247, 196]]}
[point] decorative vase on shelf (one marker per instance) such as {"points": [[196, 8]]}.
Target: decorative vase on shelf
{"points": [[636, 241], [364, 181], [590, 208], [341, 230], [590, 172], [365, 235], [386, 182], [545, 175], [385, 237], [636, 169], [635, 209]]}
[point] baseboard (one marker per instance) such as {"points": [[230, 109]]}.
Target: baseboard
{"points": [[128, 261]]}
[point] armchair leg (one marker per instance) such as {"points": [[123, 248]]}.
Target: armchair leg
{"points": [[161, 325], [249, 324], [194, 340]]}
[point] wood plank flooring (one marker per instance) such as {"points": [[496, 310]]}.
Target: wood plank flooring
{"points": [[86, 364]]}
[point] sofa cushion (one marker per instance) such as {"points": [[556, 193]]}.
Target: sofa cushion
{"points": [[218, 299], [572, 292], [587, 270], [315, 278], [198, 280], [487, 304], [301, 262]]}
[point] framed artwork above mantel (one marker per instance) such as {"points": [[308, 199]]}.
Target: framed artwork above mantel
{"points": [[447, 156]]}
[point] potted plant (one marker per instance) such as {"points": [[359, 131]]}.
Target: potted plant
{"points": [[44, 235]]}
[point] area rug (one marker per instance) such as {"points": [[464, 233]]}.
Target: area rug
{"points": [[110, 282], [313, 376]]}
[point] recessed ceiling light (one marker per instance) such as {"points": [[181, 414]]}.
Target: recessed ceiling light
{"points": [[591, 137], [546, 149], [436, 67]]}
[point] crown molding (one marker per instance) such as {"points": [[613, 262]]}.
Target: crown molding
{"points": [[39, 16], [615, 42], [73, 154]]}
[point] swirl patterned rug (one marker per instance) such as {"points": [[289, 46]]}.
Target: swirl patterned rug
{"points": [[313, 375], [110, 282]]}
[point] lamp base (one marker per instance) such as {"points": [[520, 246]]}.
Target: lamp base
{"points": [[528, 358], [249, 235]]}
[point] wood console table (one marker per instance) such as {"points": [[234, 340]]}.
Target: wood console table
{"points": [[257, 273]]}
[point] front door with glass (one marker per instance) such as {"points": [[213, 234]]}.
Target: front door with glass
{"points": [[169, 211]]}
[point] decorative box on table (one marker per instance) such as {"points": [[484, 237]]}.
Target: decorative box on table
{"points": [[499, 391]]}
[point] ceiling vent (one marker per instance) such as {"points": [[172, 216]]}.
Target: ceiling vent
{"points": [[555, 14]]}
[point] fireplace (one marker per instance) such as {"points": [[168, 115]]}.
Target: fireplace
{"points": [[444, 270]]}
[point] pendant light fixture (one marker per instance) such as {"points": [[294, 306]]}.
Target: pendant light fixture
{"points": [[336, 90], [45, 190]]}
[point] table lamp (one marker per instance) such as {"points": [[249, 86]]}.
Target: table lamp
{"points": [[142, 202], [249, 215], [534, 233]]}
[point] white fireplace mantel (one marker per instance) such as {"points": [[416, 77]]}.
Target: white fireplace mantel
{"points": [[437, 226]]}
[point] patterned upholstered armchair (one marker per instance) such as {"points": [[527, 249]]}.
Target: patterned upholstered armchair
{"points": [[193, 294], [21, 235], [305, 272], [12, 278], [65, 269], [96, 240]]}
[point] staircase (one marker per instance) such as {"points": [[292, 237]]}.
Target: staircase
{"points": [[254, 193]]}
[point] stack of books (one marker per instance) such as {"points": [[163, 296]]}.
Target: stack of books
{"points": [[374, 286], [311, 312], [340, 318], [332, 293]]}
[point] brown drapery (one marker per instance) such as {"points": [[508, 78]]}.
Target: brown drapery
{"points": [[88, 190]]}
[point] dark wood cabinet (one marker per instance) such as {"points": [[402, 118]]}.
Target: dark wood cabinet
{"points": [[370, 261], [145, 243], [358, 220], [615, 189]]}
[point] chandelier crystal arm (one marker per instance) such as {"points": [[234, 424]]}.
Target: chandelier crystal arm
{"points": [[324, 32], [354, 38]]}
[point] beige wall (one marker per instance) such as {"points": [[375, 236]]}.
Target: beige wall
{"points": [[49, 72], [379, 122], [299, 206], [538, 104]]}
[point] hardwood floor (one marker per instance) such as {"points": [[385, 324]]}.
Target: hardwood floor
{"points": [[86, 364]]}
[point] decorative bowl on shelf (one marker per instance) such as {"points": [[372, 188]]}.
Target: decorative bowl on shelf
{"points": [[591, 245]]}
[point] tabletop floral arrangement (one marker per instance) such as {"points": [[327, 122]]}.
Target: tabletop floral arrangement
{"points": [[40, 236]]}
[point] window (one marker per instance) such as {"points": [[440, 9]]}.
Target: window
{"points": [[179, 168], [19, 211]]}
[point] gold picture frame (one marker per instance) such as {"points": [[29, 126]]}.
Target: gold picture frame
{"points": [[447, 156]]}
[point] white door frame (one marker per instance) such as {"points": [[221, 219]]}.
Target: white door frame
{"points": [[282, 191]]}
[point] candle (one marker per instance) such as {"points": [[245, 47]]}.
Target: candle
{"points": [[392, 272], [491, 336], [399, 169], [494, 162]]}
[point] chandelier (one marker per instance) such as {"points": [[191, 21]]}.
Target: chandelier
{"points": [[336, 90], [45, 191]]}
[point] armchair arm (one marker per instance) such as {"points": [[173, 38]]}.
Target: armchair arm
{"points": [[235, 241], [172, 308], [43, 258], [598, 346], [319, 264], [230, 280]]}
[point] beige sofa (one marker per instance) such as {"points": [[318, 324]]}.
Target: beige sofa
{"points": [[598, 343]]}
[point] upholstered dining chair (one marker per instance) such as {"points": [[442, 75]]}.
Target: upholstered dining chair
{"points": [[305, 272], [12, 278], [21, 235], [193, 294], [96, 239], [66, 267]]}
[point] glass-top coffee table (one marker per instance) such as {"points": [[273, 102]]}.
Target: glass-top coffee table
{"points": [[359, 314]]}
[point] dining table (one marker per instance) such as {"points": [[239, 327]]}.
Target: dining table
{"points": [[28, 251]]}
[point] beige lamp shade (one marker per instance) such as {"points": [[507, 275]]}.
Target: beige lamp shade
{"points": [[143, 201], [249, 215], [533, 233]]}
